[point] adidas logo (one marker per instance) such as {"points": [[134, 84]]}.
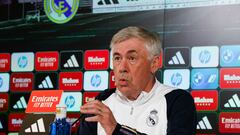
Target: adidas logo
{"points": [[177, 59], [204, 124], [72, 62], [233, 102], [46, 83], [1, 126], [36, 127], [20, 104], [107, 2]]}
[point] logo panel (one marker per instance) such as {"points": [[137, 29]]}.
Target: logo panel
{"points": [[21, 82], [22, 62], [4, 62], [230, 100], [95, 80], [3, 123], [229, 78], [204, 78], [37, 124], [158, 75], [89, 96], [47, 61], [205, 56], [96, 59], [230, 56], [206, 123], [18, 101], [70, 81], [4, 102], [177, 78], [4, 82], [72, 100], [71, 60], [46, 81], [205, 100], [229, 122], [112, 84], [176, 57], [15, 121], [60, 11], [43, 101]]}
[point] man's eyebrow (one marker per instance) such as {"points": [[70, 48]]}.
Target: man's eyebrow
{"points": [[130, 51]]}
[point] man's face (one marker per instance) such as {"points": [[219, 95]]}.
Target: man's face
{"points": [[132, 68]]}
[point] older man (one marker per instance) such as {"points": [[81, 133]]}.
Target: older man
{"points": [[140, 104]]}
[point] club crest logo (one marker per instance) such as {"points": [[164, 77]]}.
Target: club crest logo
{"points": [[152, 119], [60, 11]]}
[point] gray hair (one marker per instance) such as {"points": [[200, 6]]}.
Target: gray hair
{"points": [[151, 39]]}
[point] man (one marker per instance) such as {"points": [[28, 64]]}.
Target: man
{"points": [[140, 104]]}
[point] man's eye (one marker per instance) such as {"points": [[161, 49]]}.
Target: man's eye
{"points": [[116, 58], [132, 58]]}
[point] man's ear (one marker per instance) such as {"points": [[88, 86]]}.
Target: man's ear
{"points": [[155, 64]]}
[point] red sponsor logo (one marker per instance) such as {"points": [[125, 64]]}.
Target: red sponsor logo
{"points": [[161, 59], [112, 80], [47, 61], [21, 82], [2, 134], [70, 80], [4, 62], [229, 122], [71, 118], [43, 101], [89, 96], [15, 121], [3, 102], [96, 59], [205, 100], [229, 78]]}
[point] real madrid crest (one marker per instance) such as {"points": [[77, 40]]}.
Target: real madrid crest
{"points": [[60, 11], [152, 119]]}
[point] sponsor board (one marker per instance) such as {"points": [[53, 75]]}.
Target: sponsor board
{"points": [[230, 100], [229, 122], [229, 78], [18, 101], [70, 81], [4, 62], [46, 80], [112, 84], [71, 60], [4, 102], [21, 82], [44, 101], [89, 96], [230, 56], [15, 121], [36, 124], [3, 123], [95, 80], [46, 61], [179, 78], [72, 100], [205, 100], [158, 75], [204, 78], [21, 62], [176, 57], [205, 56], [96, 59], [207, 123], [4, 82]]}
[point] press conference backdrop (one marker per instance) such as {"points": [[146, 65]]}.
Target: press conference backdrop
{"points": [[201, 45]]}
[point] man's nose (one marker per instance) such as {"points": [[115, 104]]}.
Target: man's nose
{"points": [[123, 67]]}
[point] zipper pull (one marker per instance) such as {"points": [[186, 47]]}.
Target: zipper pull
{"points": [[131, 111]]}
